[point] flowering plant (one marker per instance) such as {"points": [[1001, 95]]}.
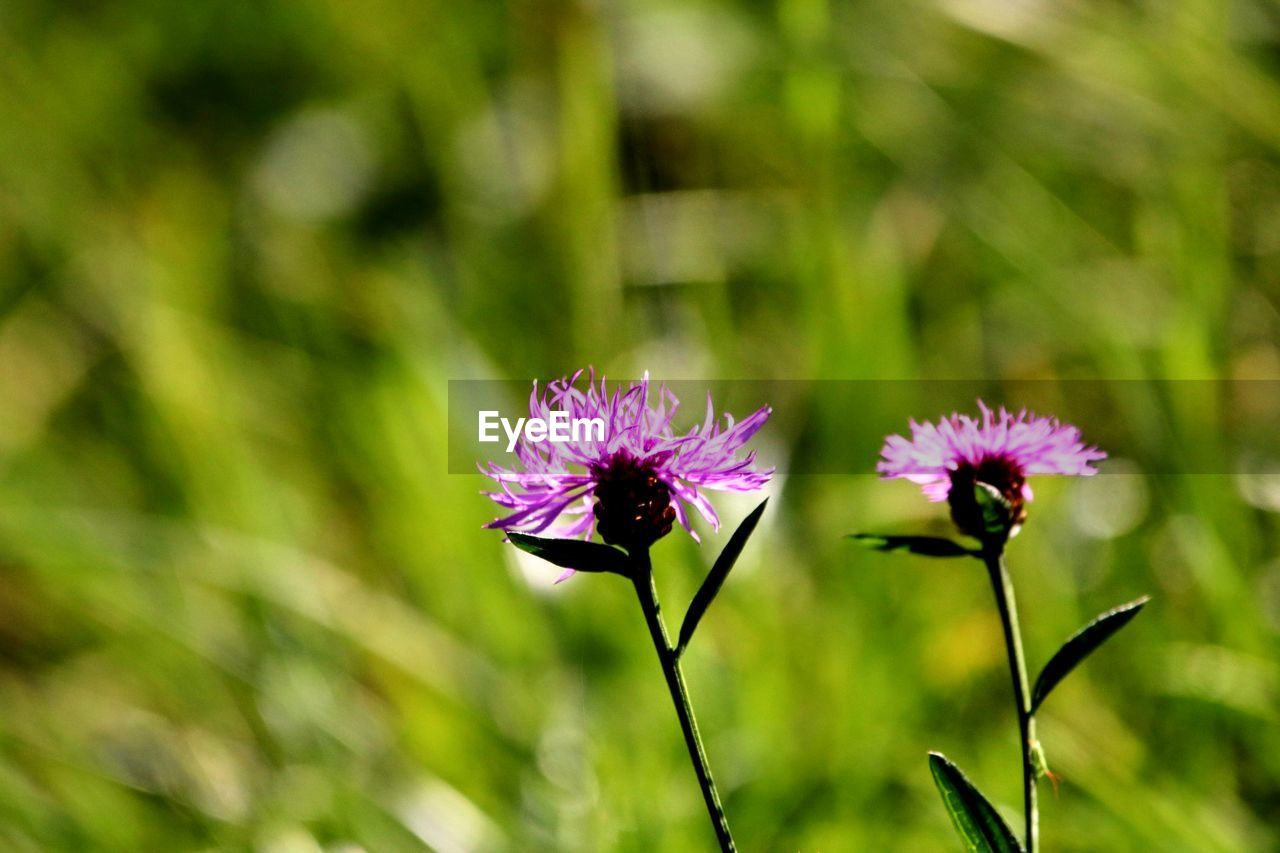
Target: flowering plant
{"points": [[980, 468], [640, 464], [631, 485]]}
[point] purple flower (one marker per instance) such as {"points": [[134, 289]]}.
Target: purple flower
{"points": [[1000, 450], [635, 482]]}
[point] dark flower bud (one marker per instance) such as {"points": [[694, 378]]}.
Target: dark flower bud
{"points": [[987, 500], [633, 507]]}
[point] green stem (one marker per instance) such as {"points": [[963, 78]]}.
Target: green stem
{"points": [[647, 592], [1002, 586]]}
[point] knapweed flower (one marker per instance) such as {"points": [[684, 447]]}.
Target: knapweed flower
{"points": [[1000, 449], [631, 484]]}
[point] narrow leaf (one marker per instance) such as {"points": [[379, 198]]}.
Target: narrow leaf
{"points": [[997, 514], [977, 821], [925, 546], [1080, 645], [715, 578], [574, 554]]}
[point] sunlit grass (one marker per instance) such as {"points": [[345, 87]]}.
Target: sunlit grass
{"points": [[243, 605]]}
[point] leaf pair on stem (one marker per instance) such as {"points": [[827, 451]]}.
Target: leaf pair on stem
{"points": [[587, 556], [975, 819]]}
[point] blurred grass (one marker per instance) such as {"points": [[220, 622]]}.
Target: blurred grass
{"points": [[243, 248]]}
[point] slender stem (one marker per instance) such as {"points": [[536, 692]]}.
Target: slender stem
{"points": [[1002, 586], [647, 592]]}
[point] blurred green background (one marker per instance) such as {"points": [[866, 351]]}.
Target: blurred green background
{"points": [[243, 248]]}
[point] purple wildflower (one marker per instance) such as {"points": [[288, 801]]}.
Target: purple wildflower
{"points": [[1000, 450], [631, 486]]}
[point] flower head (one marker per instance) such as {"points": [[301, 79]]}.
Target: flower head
{"points": [[636, 481], [1000, 449]]}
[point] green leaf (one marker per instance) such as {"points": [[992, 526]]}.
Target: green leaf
{"points": [[575, 554], [1080, 645], [997, 514], [715, 578], [925, 546], [977, 821]]}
